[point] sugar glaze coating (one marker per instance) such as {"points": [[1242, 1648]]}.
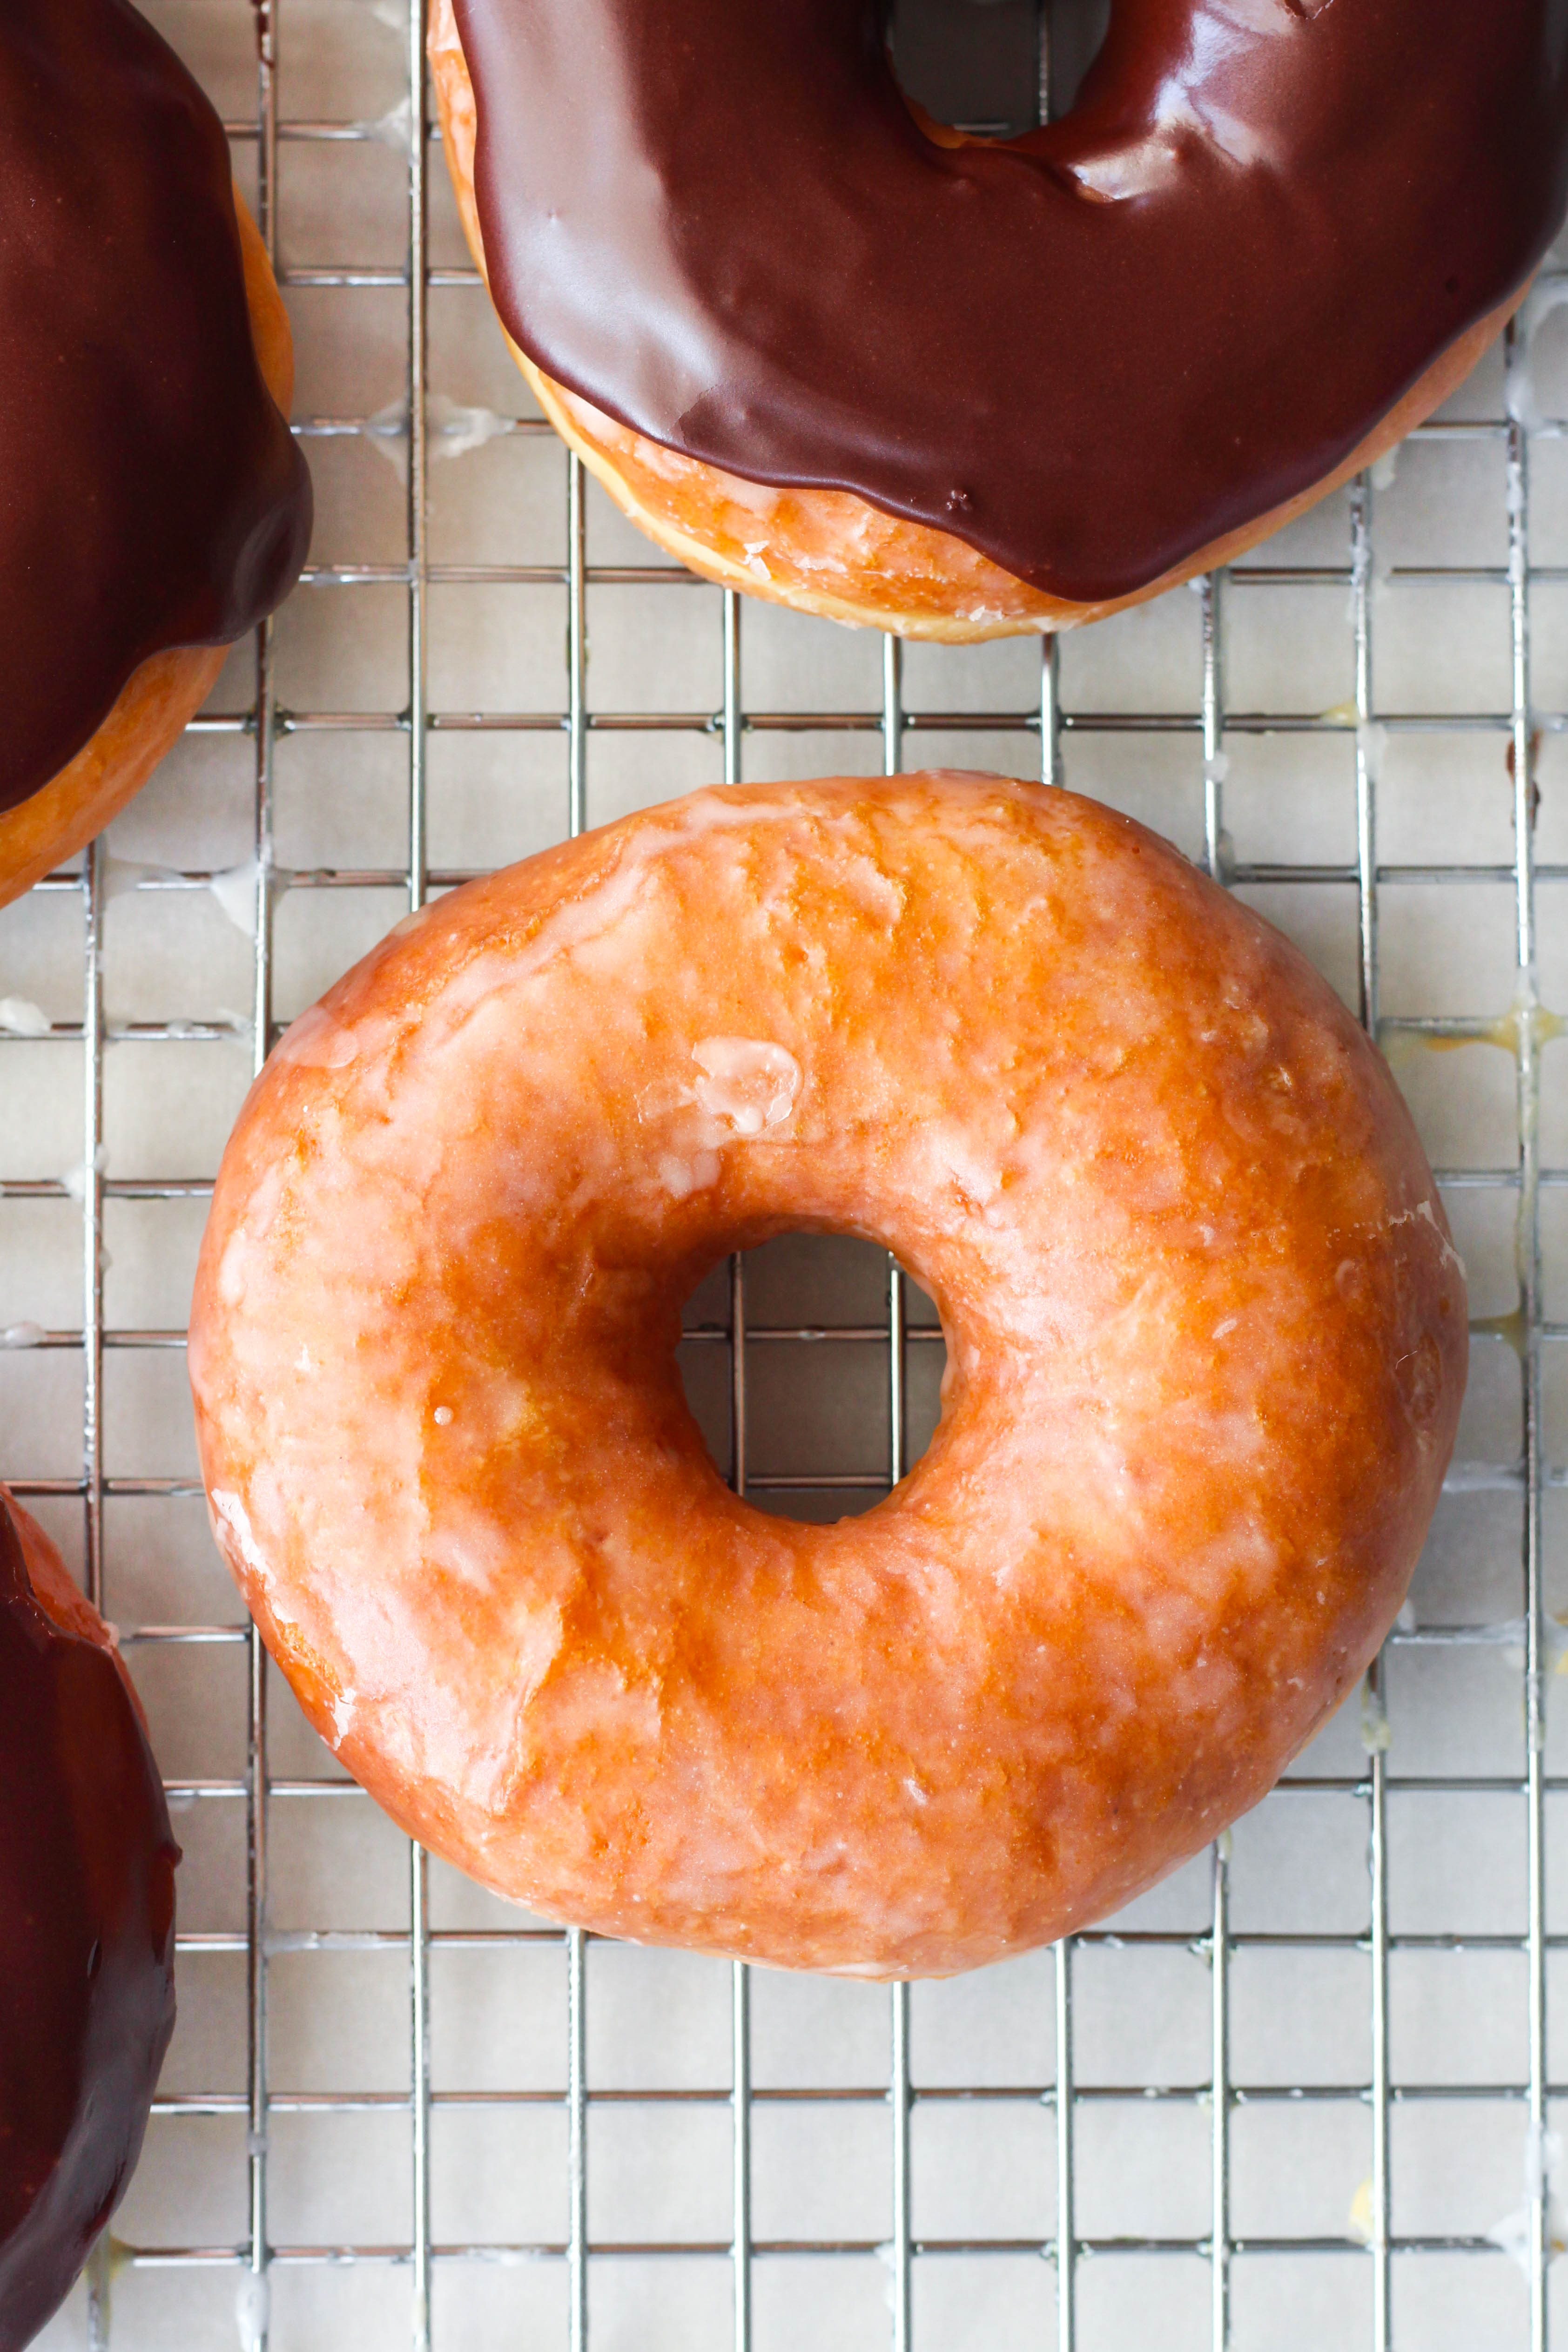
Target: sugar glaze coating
{"points": [[1205, 1330]]}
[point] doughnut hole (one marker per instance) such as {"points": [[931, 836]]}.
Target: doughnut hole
{"points": [[975, 64], [815, 1397]]}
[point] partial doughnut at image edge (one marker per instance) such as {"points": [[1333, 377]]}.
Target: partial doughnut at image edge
{"points": [[153, 503], [826, 351], [87, 1927]]}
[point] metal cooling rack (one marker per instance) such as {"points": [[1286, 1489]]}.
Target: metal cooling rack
{"points": [[1526, 1030]]}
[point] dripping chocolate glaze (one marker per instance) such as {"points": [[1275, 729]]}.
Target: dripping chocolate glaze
{"points": [[86, 1945], [1090, 352], [151, 494]]}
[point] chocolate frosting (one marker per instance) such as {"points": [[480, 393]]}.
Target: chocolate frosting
{"points": [[86, 1945], [151, 494], [1089, 351]]}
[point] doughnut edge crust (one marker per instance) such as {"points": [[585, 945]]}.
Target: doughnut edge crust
{"points": [[77, 2083], [1206, 1339], [159, 700], [831, 552]]}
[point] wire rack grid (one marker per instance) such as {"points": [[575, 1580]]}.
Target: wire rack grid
{"points": [[1190, 2273]]}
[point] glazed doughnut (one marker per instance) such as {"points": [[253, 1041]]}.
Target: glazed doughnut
{"points": [[1205, 1334], [824, 351], [153, 506], [87, 1927]]}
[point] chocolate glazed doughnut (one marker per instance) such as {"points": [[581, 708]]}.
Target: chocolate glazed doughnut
{"points": [[87, 1927], [996, 387], [152, 501]]}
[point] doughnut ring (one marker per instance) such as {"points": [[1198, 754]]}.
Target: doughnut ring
{"points": [[1205, 1346], [827, 351]]}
